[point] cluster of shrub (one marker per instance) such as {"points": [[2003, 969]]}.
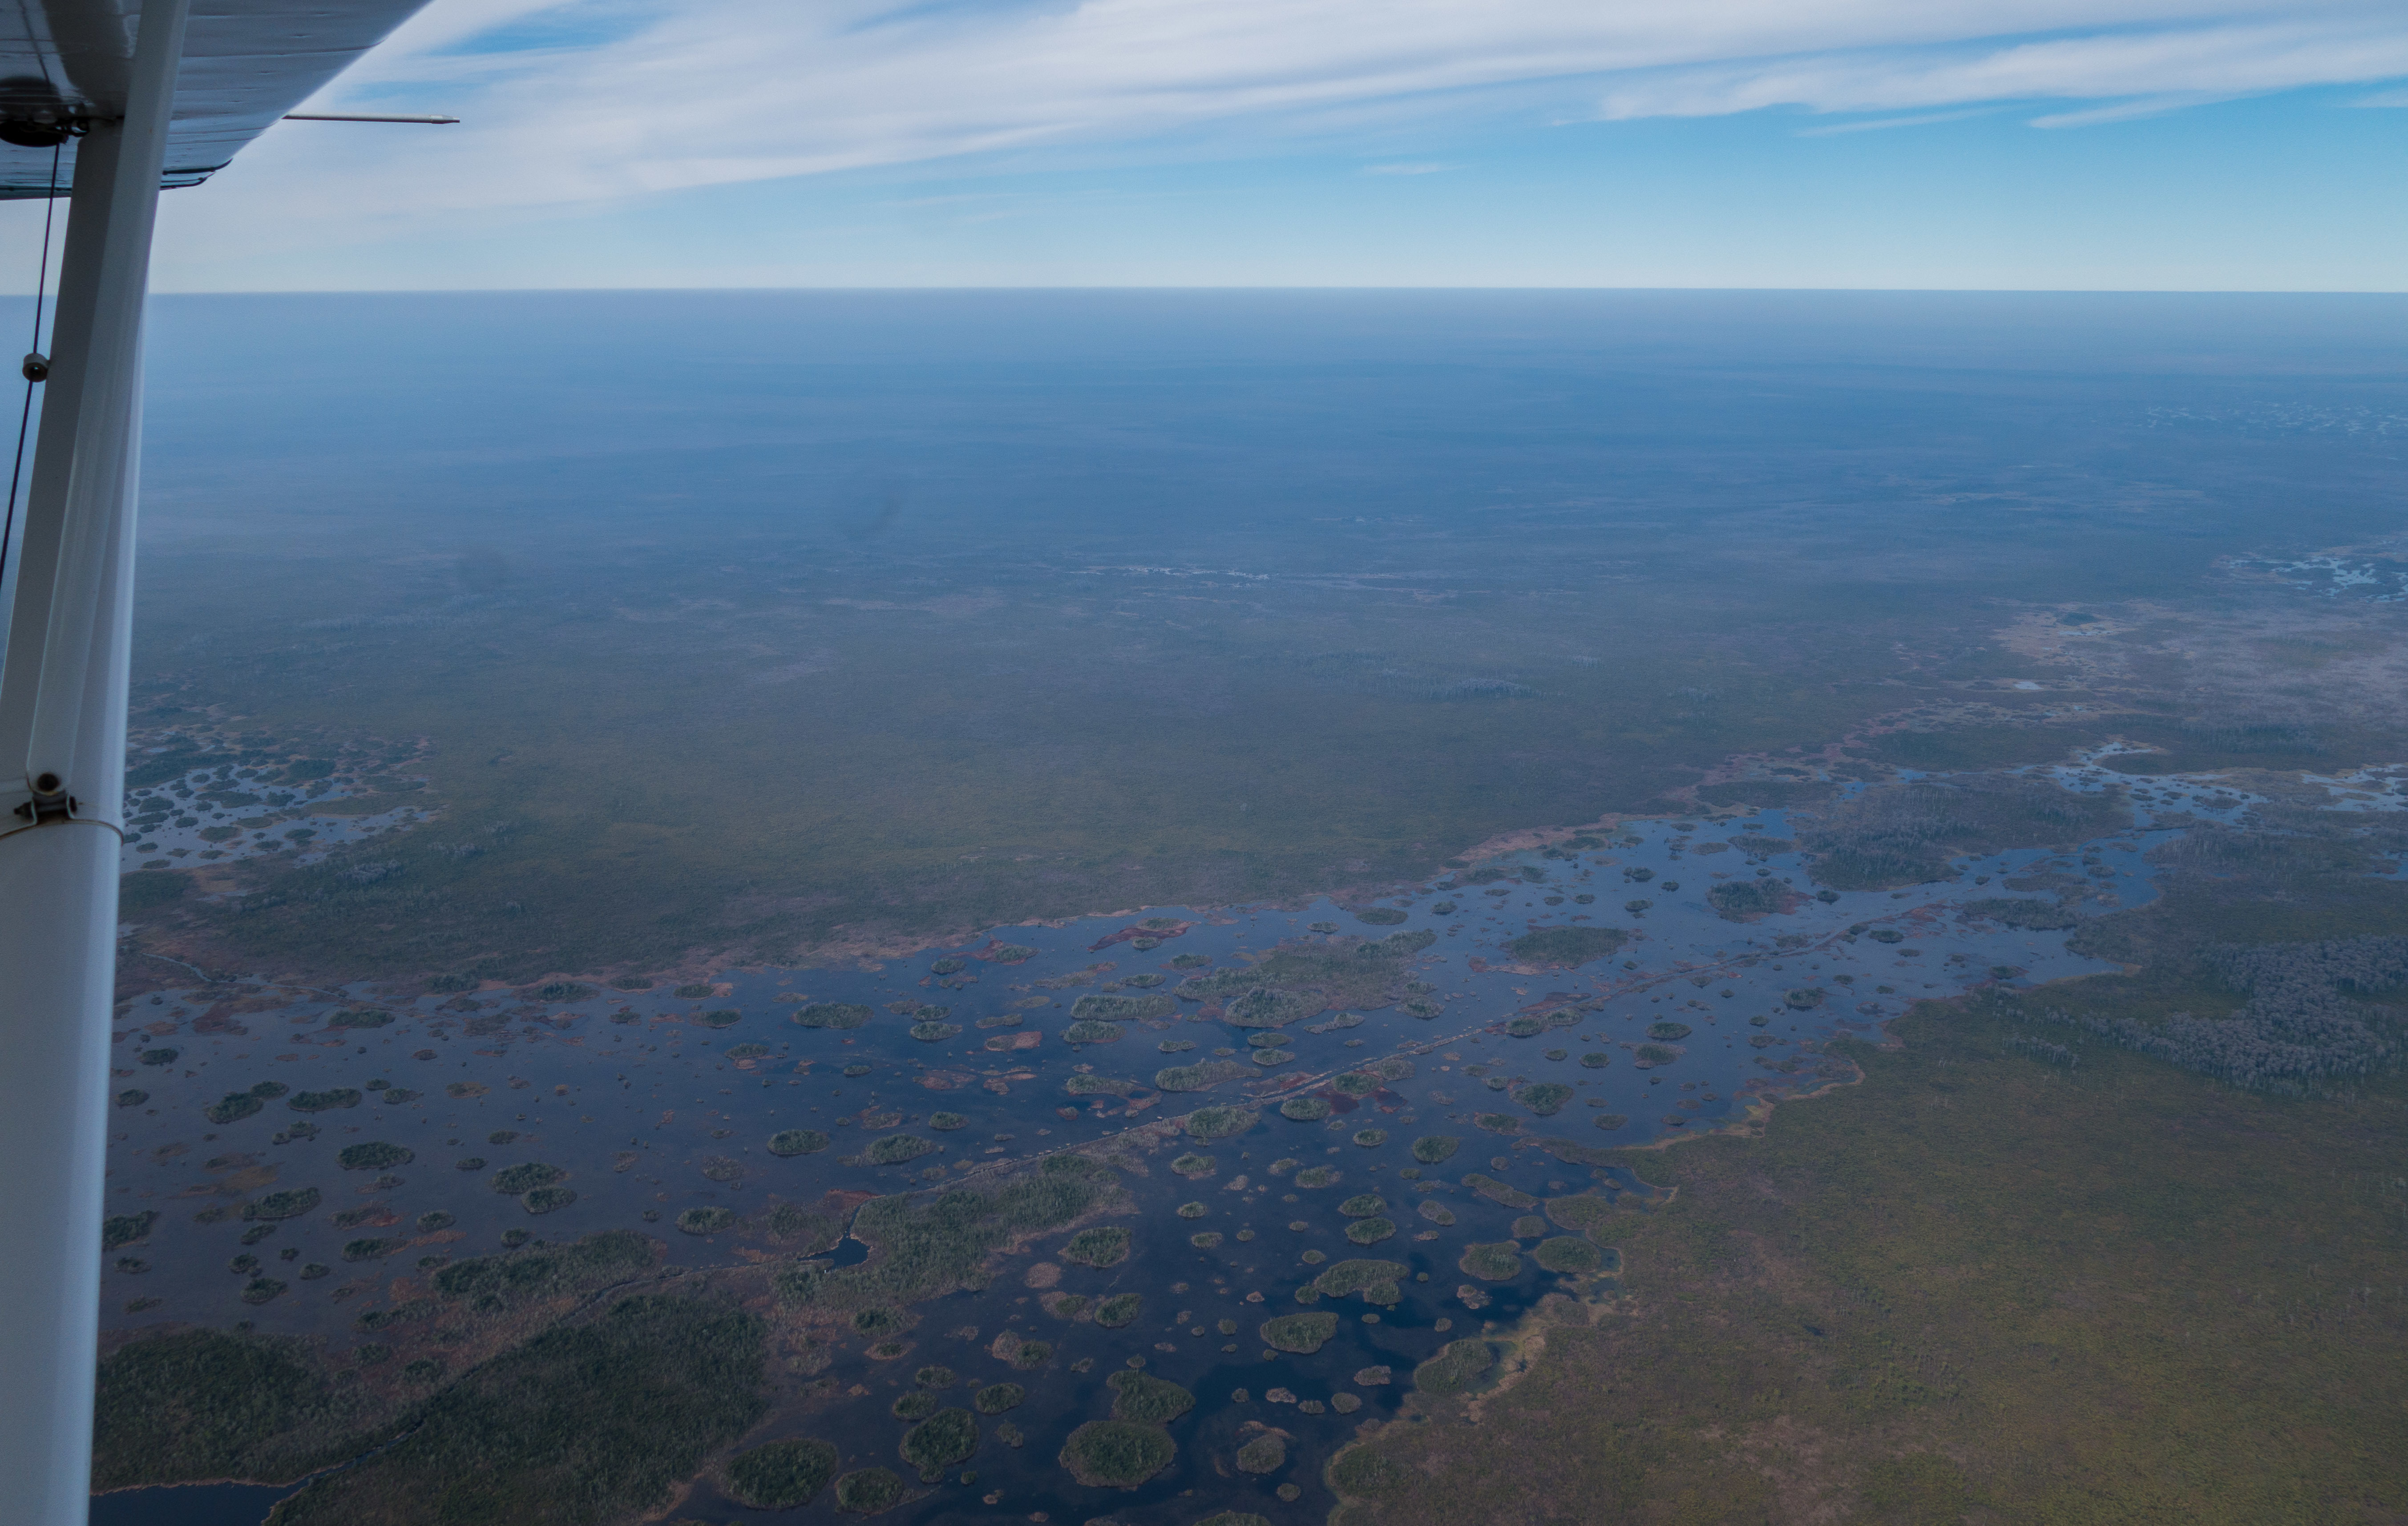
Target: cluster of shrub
{"points": [[2296, 1028]]}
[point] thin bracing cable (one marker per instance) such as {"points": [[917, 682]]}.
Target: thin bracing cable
{"points": [[25, 414]]}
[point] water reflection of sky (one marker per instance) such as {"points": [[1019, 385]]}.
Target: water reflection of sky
{"points": [[651, 1112]]}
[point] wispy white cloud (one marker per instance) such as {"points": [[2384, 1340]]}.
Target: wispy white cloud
{"points": [[1418, 168], [594, 101], [2196, 61], [1876, 124]]}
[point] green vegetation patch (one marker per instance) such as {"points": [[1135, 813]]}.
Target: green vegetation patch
{"points": [[1668, 1030], [1649, 1056], [998, 1398], [794, 1142], [841, 1014], [798, 1228], [513, 1180], [2023, 915], [933, 1245], [1089, 1032], [359, 1017], [1221, 1122], [707, 1220], [1317, 1177], [1104, 1008], [1584, 1212], [290, 1204], [206, 1403], [147, 890], [948, 1437], [120, 1229], [1371, 1138], [780, 1474], [547, 1199], [1269, 1006], [1899, 834], [1302, 1333], [1192, 1165], [1011, 953], [1196, 1077], [869, 1491], [1370, 1231], [374, 1155], [324, 1102], [1306, 1109], [934, 1033], [1545, 1098], [1378, 1282], [724, 1017], [1101, 1247], [371, 1249], [1779, 1242], [1266, 1453], [1117, 1454], [1460, 1367], [1501, 1262], [1497, 1123], [1567, 946], [947, 1122], [234, 1105], [1364, 1206], [1119, 1310], [1567, 1255], [1596, 1059], [1740, 900], [1380, 916], [1432, 1148], [1146, 1399], [897, 1148], [1497, 1191], [591, 1421]]}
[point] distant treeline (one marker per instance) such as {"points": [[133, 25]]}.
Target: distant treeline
{"points": [[2296, 1028]]}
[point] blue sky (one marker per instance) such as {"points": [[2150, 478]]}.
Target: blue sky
{"points": [[2113, 144]]}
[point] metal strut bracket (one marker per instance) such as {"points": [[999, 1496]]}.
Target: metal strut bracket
{"points": [[51, 802]]}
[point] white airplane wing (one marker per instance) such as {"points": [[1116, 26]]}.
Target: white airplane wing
{"points": [[245, 64]]}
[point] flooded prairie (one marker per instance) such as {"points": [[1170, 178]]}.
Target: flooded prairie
{"points": [[1314, 1197]]}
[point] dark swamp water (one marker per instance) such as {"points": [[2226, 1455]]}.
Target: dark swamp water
{"points": [[648, 1111]]}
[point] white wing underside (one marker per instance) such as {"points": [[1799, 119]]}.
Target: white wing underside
{"points": [[245, 64]]}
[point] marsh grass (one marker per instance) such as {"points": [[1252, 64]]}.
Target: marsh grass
{"points": [[2084, 1325], [1117, 1454], [929, 1245], [1566, 946], [945, 1438], [780, 1474], [1147, 1399], [1302, 1333]]}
